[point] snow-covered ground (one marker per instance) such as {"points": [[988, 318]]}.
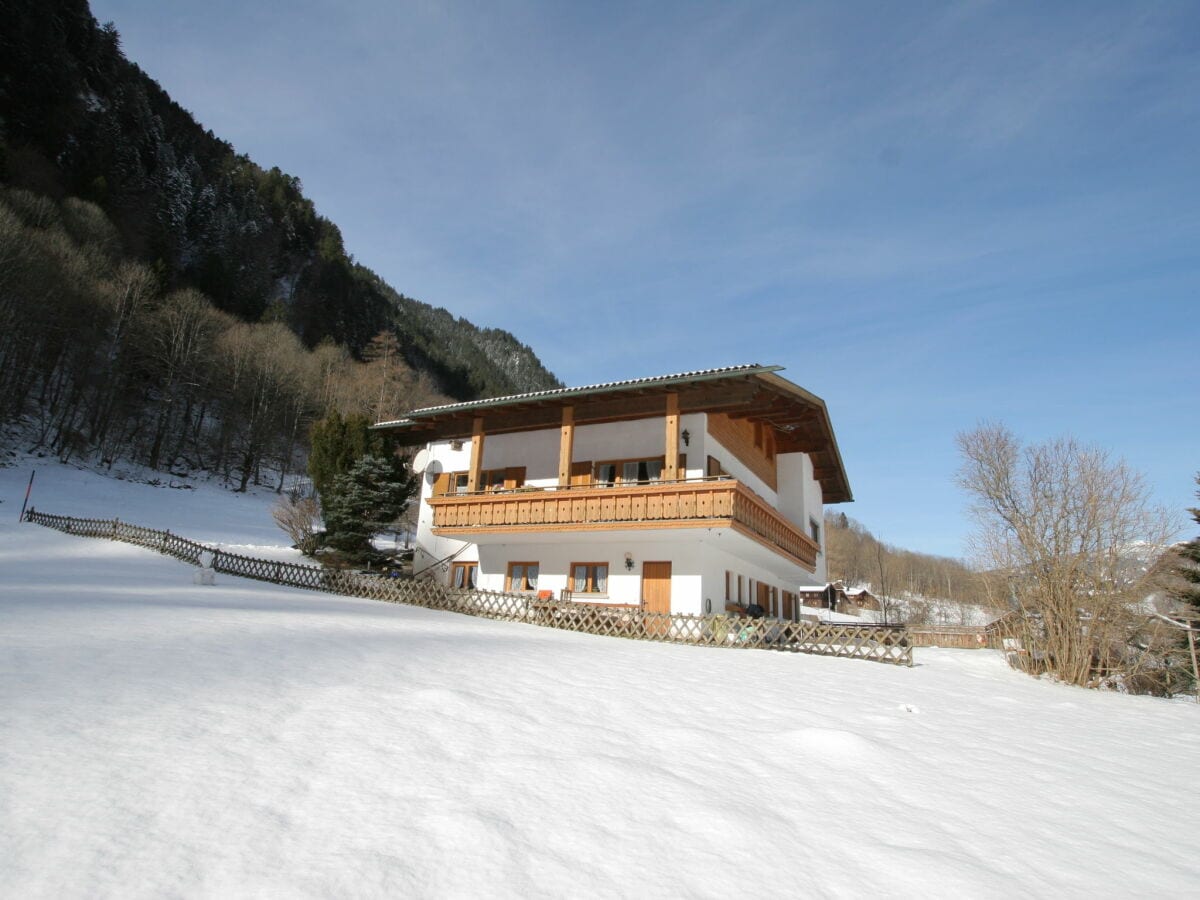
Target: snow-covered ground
{"points": [[160, 738], [196, 509]]}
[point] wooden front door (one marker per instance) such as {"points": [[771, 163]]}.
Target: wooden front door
{"points": [[656, 587]]}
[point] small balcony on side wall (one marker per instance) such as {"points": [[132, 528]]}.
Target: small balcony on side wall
{"points": [[691, 503]]}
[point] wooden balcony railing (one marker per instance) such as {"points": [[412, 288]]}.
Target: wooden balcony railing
{"points": [[704, 503]]}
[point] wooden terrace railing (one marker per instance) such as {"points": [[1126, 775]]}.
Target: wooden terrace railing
{"points": [[881, 643], [690, 503]]}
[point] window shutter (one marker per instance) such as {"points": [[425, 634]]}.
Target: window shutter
{"points": [[514, 477], [581, 472], [442, 484]]}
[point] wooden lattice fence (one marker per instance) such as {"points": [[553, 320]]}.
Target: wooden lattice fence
{"points": [[963, 637], [881, 643]]}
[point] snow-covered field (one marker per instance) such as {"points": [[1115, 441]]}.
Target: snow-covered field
{"points": [[163, 739], [195, 509]]}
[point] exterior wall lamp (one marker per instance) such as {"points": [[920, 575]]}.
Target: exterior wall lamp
{"points": [[687, 438], [629, 562]]}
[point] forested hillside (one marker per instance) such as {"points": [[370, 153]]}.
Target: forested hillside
{"points": [[913, 587], [165, 298], [81, 120]]}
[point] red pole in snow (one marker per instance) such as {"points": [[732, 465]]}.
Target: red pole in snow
{"points": [[28, 490]]}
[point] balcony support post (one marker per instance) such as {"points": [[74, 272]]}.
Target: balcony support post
{"points": [[476, 454], [671, 456], [566, 446]]}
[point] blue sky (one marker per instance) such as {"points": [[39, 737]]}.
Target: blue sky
{"points": [[931, 214]]}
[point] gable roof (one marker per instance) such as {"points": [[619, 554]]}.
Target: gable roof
{"points": [[799, 418], [591, 389]]}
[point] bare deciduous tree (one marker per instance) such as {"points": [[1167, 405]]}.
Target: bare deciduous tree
{"points": [[298, 516], [1073, 531]]}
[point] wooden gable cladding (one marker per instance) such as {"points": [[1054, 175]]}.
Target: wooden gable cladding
{"points": [[751, 442]]}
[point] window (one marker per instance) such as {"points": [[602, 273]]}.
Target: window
{"points": [[464, 575], [628, 471], [489, 480], [522, 576], [589, 578], [727, 579], [814, 529]]}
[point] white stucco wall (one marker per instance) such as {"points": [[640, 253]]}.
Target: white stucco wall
{"points": [[800, 498], [431, 548], [537, 451], [699, 559], [555, 559]]}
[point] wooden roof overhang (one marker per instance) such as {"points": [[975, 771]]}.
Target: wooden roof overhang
{"points": [[798, 418]]}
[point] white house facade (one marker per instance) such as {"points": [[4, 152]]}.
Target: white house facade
{"points": [[686, 493]]}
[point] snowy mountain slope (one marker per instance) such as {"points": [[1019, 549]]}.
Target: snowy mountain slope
{"points": [[162, 738], [196, 509]]}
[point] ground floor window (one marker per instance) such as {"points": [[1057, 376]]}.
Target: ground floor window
{"points": [[464, 575], [589, 578], [522, 576]]}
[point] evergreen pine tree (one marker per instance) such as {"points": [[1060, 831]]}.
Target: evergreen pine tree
{"points": [[1189, 567], [336, 444], [364, 501]]}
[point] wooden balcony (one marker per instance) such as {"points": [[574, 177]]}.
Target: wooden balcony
{"points": [[697, 503]]}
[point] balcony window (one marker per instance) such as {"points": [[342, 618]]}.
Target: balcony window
{"points": [[489, 480], [589, 578], [629, 471]]}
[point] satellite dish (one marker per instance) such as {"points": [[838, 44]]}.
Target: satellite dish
{"points": [[432, 470], [420, 461]]}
